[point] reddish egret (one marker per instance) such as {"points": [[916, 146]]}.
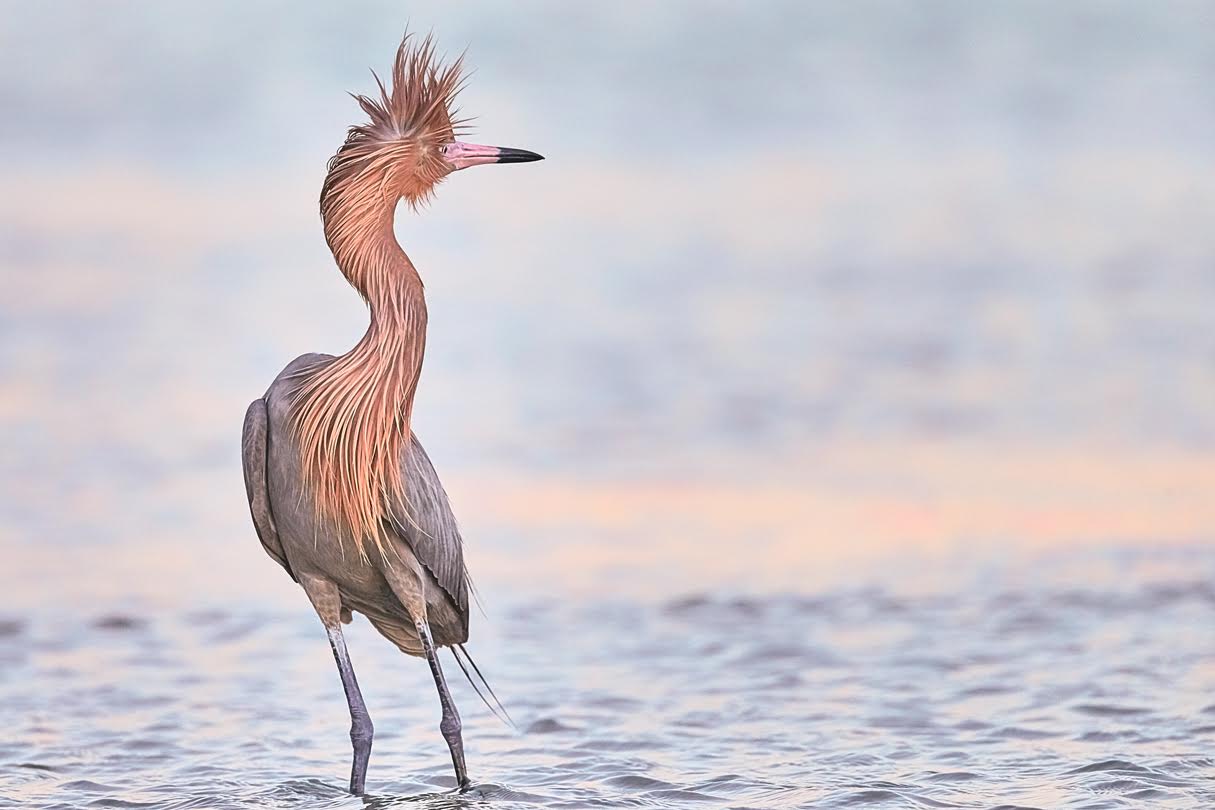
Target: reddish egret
{"points": [[342, 495]]}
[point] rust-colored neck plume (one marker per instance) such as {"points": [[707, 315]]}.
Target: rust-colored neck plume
{"points": [[351, 417], [353, 414]]}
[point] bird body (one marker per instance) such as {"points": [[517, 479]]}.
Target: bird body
{"points": [[341, 492], [424, 564]]}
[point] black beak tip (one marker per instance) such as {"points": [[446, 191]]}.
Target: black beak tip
{"points": [[508, 155]]}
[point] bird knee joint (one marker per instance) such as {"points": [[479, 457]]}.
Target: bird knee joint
{"points": [[450, 724], [361, 731]]}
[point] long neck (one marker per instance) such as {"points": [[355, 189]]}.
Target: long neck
{"points": [[352, 416], [358, 228]]}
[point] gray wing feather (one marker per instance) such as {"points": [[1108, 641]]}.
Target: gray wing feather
{"points": [[253, 454], [426, 522]]}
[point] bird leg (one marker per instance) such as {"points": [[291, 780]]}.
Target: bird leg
{"points": [[450, 724], [361, 730]]}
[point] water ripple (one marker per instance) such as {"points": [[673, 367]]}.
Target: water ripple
{"points": [[852, 699]]}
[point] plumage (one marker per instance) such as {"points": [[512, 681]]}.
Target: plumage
{"points": [[352, 415], [429, 535], [341, 493], [253, 458]]}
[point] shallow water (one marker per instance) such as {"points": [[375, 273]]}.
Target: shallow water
{"points": [[1060, 694]]}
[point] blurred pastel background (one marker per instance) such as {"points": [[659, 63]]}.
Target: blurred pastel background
{"points": [[868, 279], [806, 298]]}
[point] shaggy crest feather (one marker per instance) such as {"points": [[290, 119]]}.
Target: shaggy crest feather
{"points": [[351, 415]]}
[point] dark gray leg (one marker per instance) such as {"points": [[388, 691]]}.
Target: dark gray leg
{"points": [[450, 724], [361, 729]]}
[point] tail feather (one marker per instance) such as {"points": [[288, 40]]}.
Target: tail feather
{"points": [[461, 655]]}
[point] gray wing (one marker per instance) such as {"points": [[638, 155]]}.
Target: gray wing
{"points": [[253, 454], [429, 526]]}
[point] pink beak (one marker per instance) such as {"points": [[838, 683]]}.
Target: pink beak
{"points": [[462, 155]]}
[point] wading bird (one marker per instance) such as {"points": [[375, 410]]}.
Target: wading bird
{"points": [[342, 494]]}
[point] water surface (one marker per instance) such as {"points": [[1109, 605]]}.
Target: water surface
{"points": [[1046, 694]]}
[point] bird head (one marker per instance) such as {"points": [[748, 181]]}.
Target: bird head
{"points": [[410, 143]]}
